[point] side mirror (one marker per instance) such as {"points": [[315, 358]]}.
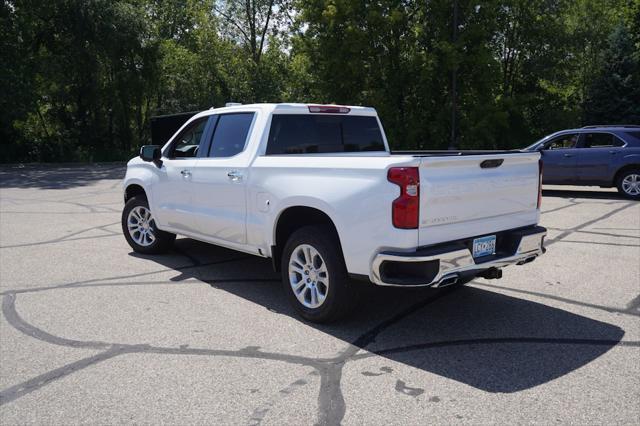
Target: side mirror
{"points": [[151, 153]]}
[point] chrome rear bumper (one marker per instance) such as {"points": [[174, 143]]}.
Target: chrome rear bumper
{"points": [[454, 263]]}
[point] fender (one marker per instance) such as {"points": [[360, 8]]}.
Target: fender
{"points": [[140, 173], [303, 201]]}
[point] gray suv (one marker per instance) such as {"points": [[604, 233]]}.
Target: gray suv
{"points": [[604, 156]]}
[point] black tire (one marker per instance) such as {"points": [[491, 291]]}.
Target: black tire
{"points": [[163, 240], [340, 295], [619, 183]]}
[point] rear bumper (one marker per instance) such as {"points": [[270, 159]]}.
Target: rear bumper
{"points": [[444, 264]]}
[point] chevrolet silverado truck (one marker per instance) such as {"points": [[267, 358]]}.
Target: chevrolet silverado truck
{"points": [[317, 189]]}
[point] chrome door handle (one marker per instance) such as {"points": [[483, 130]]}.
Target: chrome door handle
{"points": [[234, 175], [185, 173], [568, 155]]}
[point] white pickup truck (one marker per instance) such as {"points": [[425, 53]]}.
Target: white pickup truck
{"points": [[316, 189]]}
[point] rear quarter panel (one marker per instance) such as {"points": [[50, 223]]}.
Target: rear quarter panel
{"points": [[630, 156], [352, 190]]}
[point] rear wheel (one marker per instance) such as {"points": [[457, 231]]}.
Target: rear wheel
{"points": [[629, 184], [140, 230], [314, 275]]}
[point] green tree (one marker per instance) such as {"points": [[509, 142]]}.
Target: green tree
{"points": [[614, 95], [254, 27], [17, 94], [79, 79]]}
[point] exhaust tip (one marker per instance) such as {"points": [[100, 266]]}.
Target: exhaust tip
{"points": [[446, 282]]}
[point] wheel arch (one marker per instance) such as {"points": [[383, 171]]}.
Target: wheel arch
{"points": [[293, 218], [623, 169], [134, 189]]}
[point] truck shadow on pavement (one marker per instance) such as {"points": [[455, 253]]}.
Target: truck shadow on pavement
{"points": [[484, 339]]}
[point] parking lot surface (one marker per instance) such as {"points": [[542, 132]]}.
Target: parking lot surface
{"points": [[91, 332]]}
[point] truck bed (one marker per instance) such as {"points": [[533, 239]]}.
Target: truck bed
{"points": [[454, 153]]}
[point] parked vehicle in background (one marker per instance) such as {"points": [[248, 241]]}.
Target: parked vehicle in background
{"points": [[316, 189], [606, 156]]}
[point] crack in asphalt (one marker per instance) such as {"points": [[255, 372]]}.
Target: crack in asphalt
{"points": [[68, 236], [261, 412], [633, 311], [583, 225], [104, 282], [608, 234], [90, 208], [331, 403]]}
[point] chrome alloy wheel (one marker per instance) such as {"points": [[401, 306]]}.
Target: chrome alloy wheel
{"points": [[141, 226], [631, 184], [308, 276]]}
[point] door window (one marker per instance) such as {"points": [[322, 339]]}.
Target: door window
{"points": [[563, 142], [230, 136], [601, 140], [187, 142]]}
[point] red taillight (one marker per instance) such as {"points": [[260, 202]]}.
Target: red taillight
{"points": [[405, 209], [539, 183], [330, 109]]}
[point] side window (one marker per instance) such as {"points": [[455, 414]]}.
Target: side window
{"points": [[601, 140], [230, 135], [187, 142], [563, 142]]}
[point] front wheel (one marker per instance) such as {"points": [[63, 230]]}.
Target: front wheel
{"points": [[314, 275], [140, 228], [629, 184]]}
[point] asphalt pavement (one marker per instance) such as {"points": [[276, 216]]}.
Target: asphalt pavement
{"points": [[92, 333]]}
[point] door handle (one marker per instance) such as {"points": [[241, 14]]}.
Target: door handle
{"points": [[185, 173], [234, 175], [568, 155], [612, 152]]}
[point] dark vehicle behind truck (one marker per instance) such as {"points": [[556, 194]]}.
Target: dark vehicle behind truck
{"points": [[606, 156]]}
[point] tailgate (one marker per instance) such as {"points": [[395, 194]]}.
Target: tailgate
{"points": [[465, 196]]}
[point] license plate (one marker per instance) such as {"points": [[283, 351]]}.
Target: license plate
{"points": [[484, 246]]}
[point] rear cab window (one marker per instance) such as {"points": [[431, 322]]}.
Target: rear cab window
{"points": [[323, 133]]}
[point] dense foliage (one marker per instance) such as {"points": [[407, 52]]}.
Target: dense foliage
{"points": [[79, 79]]}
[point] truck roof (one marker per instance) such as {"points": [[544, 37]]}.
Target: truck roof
{"points": [[293, 108]]}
